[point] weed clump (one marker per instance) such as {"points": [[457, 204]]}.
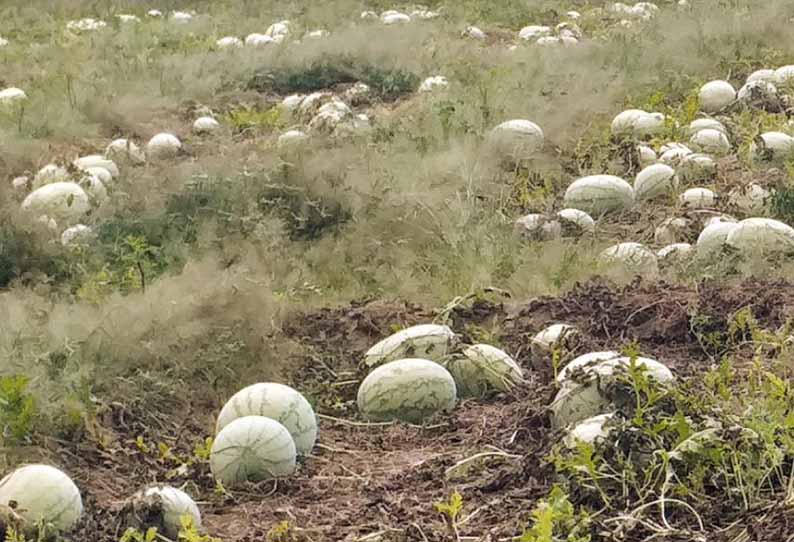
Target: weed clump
{"points": [[782, 204], [307, 215], [328, 71]]}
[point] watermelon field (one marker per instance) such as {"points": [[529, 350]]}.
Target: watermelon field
{"points": [[362, 271]]}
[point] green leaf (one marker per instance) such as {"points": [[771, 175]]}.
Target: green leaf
{"points": [[452, 508]]}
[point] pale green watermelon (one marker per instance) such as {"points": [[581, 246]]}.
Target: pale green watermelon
{"points": [[43, 493], [409, 390], [427, 341], [172, 504], [483, 368], [577, 401], [654, 180], [276, 401], [586, 389], [599, 194], [252, 448], [632, 257], [63, 201], [589, 430], [516, 138], [761, 237]]}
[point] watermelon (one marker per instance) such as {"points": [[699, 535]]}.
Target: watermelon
{"points": [[698, 197], [599, 194], [632, 257], [711, 141], [278, 402], [751, 198], [409, 390], [574, 222], [252, 449], [655, 180], [676, 252], [42, 493], [516, 138], [163, 145], [537, 227], [716, 95], [761, 236], [713, 238], [427, 341], [589, 430], [64, 201], [586, 389], [167, 504], [483, 368], [772, 147]]}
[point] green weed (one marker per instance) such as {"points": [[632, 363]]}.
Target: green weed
{"points": [[556, 519], [328, 71], [132, 534], [451, 510], [189, 532], [255, 120], [18, 410]]}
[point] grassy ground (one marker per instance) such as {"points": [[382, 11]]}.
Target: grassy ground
{"points": [[204, 263]]}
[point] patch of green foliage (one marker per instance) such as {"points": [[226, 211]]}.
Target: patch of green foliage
{"points": [[133, 250], [22, 252], [189, 531], [280, 532], [17, 408], [125, 264], [252, 119], [328, 71], [306, 213], [555, 519], [781, 204], [134, 535], [451, 510], [672, 454], [452, 507], [320, 74], [14, 534]]}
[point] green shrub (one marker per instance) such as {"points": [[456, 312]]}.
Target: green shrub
{"points": [[17, 407], [328, 71], [782, 204], [252, 119], [22, 252], [307, 215]]}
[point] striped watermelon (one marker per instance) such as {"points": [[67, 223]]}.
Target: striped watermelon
{"points": [[633, 257], [252, 448], [426, 341], [599, 194], [586, 390], [171, 504], [409, 390], [760, 236], [655, 180], [278, 402], [483, 368], [43, 493]]}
